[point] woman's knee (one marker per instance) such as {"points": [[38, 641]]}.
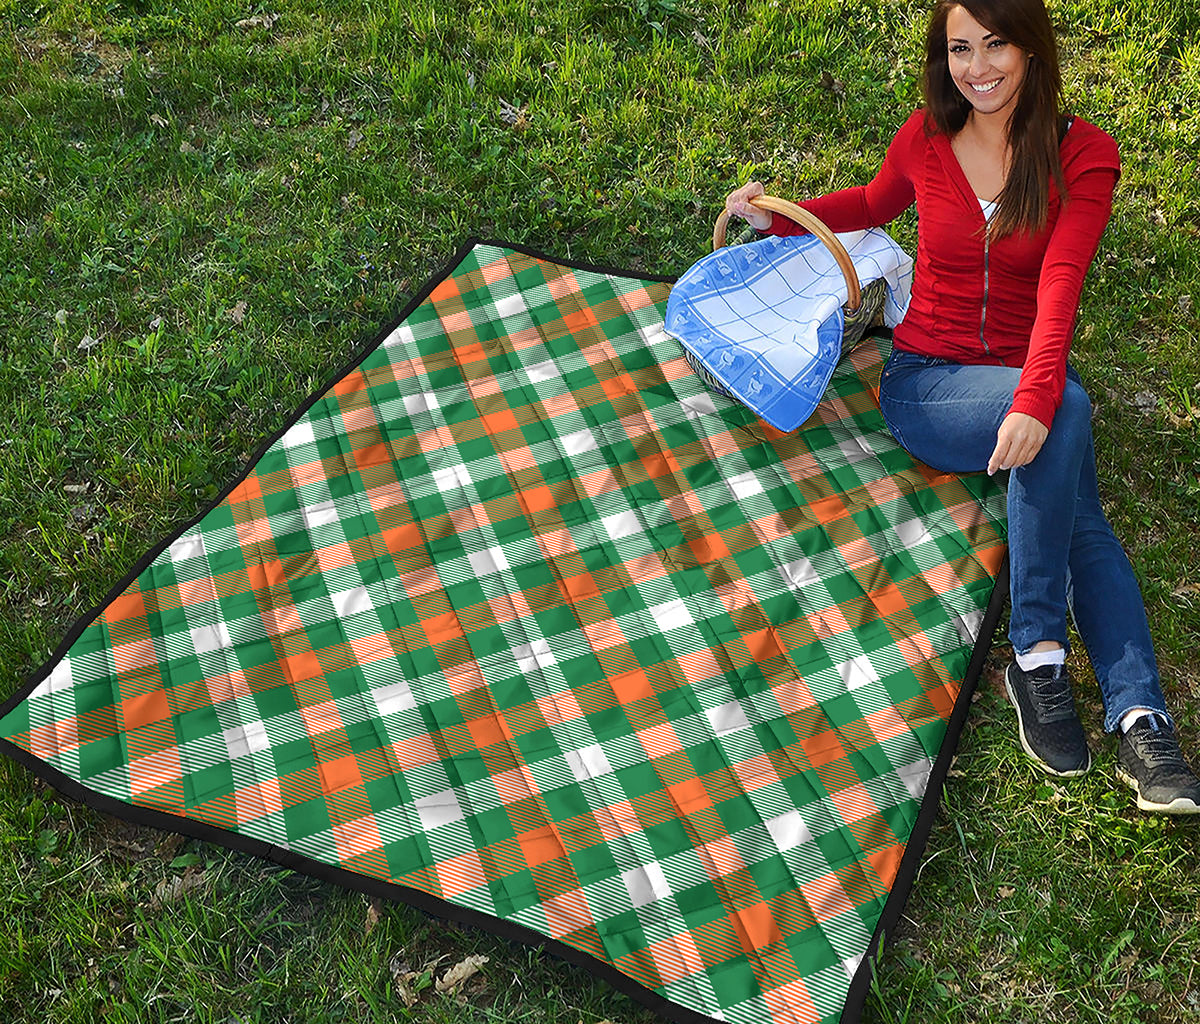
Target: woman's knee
{"points": [[1073, 420]]}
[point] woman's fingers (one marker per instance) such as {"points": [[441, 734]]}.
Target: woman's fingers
{"points": [[1018, 441], [999, 457], [737, 204]]}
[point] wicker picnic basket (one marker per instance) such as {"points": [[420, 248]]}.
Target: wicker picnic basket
{"points": [[862, 309]]}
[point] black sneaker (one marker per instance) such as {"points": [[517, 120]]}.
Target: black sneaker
{"points": [[1051, 732], [1149, 760]]}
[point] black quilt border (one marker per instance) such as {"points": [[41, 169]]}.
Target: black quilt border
{"points": [[910, 861]]}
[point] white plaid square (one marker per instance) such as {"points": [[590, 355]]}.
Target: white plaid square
{"points": [[211, 638], [510, 306], [788, 830], [672, 615], [351, 602], [451, 478], [488, 562], [727, 718], [800, 573], [246, 739], [915, 777], [392, 699], [298, 434], [422, 401], [622, 524], [857, 672], [579, 442], [745, 485], [588, 762], [439, 809], [646, 883], [321, 514], [187, 548]]}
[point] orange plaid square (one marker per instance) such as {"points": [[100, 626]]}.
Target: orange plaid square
{"points": [[822, 748], [886, 863], [248, 490], [129, 605], [339, 774], [540, 845], [756, 927], [497, 422], [146, 708], [631, 686], [300, 667], [689, 796], [352, 382], [487, 732]]}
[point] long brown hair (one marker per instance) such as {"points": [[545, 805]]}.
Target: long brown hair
{"points": [[1036, 125]]}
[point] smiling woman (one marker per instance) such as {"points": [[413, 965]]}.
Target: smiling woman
{"points": [[1012, 198]]}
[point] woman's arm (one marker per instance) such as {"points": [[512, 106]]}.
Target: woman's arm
{"points": [[1072, 247], [880, 201]]}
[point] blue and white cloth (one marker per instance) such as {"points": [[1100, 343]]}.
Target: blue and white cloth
{"points": [[765, 319]]}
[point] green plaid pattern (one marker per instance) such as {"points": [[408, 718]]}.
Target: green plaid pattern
{"points": [[519, 615]]}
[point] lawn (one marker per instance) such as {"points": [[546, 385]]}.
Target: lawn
{"points": [[205, 207]]}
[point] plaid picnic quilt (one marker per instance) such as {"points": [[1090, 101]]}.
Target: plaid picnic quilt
{"points": [[518, 622]]}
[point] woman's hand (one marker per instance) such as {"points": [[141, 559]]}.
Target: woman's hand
{"points": [[737, 203], [1018, 441]]}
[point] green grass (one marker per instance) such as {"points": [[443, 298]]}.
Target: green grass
{"points": [[160, 167]]}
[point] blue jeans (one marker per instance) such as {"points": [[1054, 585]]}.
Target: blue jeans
{"points": [[1062, 551]]}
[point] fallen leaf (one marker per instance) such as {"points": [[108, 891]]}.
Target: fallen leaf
{"points": [[170, 889], [158, 120], [238, 313], [512, 115], [1005, 891], [460, 972], [257, 21], [403, 976], [374, 912], [831, 84], [169, 846], [60, 317], [1145, 400], [186, 147], [87, 341]]}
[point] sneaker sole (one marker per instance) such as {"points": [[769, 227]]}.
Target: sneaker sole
{"points": [[1072, 773], [1180, 805]]}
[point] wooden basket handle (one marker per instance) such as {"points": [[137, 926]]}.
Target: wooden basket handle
{"points": [[813, 224]]}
